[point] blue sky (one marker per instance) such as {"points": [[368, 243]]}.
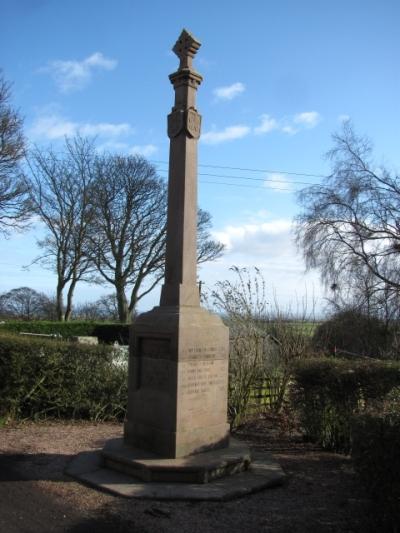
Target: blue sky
{"points": [[278, 79]]}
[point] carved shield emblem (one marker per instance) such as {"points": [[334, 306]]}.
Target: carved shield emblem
{"points": [[175, 123], [193, 123]]}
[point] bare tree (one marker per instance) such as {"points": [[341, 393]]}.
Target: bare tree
{"points": [[127, 237], [26, 304], [362, 292], [350, 225], [14, 204], [129, 229], [105, 308], [61, 192]]}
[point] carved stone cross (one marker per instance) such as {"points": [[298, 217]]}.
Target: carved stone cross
{"points": [[186, 48]]}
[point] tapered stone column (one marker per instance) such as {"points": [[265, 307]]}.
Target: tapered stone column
{"points": [[184, 123], [178, 366]]}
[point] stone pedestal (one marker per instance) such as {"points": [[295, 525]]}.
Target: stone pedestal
{"points": [[178, 380], [201, 468]]}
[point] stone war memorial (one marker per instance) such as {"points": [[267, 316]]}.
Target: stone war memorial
{"points": [[176, 442]]}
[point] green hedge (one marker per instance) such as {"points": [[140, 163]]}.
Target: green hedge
{"points": [[46, 378], [106, 332], [376, 457], [354, 332], [327, 392]]}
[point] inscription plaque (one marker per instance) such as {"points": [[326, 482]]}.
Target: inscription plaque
{"points": [[205, 352], [202, 377]]}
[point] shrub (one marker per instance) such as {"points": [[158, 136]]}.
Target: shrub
{"points": [[42, 378], [353, 332], [108, 333], [375, 453], [263, 344], [327, 392]]}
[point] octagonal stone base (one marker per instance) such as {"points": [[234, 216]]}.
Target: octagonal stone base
{"points": [[210, 476], [199, 468]]}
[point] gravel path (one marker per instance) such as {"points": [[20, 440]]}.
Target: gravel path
{"points": [[321, 494]]}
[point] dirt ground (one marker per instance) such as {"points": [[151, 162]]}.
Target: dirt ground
{"points": [[321, 493]]}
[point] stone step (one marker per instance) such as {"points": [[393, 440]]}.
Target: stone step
{"points": [[200, 468]]}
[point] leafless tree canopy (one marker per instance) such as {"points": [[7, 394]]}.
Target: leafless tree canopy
{"points": [[61, 189], [26, 304], [128, 231], [105, 308], [14, 207], [105, 219], [350, 225]]}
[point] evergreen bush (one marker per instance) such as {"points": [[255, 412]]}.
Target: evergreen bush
{"points": [[42, 378], [328, 392], [106, 332], [354, 333], [376, 457]]}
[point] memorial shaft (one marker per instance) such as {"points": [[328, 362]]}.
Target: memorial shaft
{"points": [[180, 287]]}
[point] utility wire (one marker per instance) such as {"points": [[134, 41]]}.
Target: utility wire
{"points": [[246, 186], [242, 185], [248, 178], [254, 179], [253, 170]]}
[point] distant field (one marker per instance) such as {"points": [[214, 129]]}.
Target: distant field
{"points": [[307, 328]]}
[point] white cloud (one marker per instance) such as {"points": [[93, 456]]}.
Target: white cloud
{"points": [[268, 124], [145, 150], [309, 119], [229, 92], [267, 244], [278, 182], [104, 129], [228, 134], [73, 75], [113, 146], [258, 239], [288, 125], [54, 126], [290, 130]]}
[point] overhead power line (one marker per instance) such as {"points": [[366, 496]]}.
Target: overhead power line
{"points": [[246, 186], [241, 184], [308, 175], [256, 179], [248, 178]]}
